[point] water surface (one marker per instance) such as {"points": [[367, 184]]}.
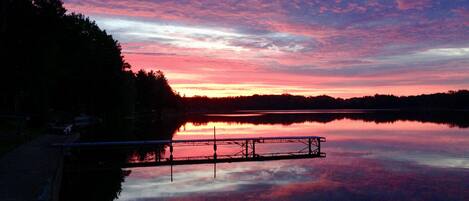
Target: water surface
{"points": [[371, 157]]}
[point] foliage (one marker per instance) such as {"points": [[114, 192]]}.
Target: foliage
{"points": [[450, 100], [57, 62], [154, 92]]}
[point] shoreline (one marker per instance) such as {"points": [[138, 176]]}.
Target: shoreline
{"points": [[32, 171]]}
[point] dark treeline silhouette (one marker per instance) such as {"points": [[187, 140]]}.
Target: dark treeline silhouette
{"points": [[451, 118], [59, 63], [154, 92], [450, 100]]}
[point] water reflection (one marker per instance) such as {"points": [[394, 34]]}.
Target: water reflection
{"points": [[370, 156], [450, 118], [228, 150]]}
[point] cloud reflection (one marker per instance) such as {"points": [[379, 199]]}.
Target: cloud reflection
{"points": [[365, 161]]}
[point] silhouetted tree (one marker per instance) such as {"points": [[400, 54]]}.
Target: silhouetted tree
{"points": [[55, 61], [450, 100], [154, 92]]}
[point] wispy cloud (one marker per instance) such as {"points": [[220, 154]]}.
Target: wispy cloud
{"points": [[309, 47]]}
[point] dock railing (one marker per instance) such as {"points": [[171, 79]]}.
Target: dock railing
{"points": [[247, 149]]}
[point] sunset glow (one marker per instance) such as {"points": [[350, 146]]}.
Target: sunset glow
{"points": [[338, 48], [397, 153]]}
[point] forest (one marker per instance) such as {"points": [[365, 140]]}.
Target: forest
{"points": [[450, 100], [62, 64], [56, 63]]}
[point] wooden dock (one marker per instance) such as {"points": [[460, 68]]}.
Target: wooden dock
{"points": [[246, 152]]}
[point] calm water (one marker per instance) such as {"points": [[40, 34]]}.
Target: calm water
{"points": [[369, 157]]}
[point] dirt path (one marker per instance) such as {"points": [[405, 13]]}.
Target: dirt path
{"points": [[32, 171]]}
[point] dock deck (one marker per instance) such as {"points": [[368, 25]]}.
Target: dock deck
{"points": [[246, 151]]}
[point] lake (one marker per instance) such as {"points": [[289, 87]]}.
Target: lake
{"points": [[370, 155]]}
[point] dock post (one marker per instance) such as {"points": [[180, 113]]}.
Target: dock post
{"points": [[158, 154], [171, 152], [214, 152], [253, 148], [171, 172], [214, 145], [319, 146], [171, 159], [247, 148], [309, 146]]}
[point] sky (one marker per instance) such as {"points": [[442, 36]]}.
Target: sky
{"points": [[333, 47]]}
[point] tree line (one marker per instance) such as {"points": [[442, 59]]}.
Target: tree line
{"points": [[450, 118], [449, 100], [55, 62]]}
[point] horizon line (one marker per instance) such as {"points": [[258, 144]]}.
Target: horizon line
{"points": [[336, 97]]}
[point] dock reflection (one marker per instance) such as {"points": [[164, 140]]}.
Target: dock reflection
{"points": [[240, 150], [246, 151]]}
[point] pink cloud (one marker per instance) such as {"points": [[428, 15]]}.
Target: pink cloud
{"points": [[338, 48], [464, 14], [412, 4]]}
